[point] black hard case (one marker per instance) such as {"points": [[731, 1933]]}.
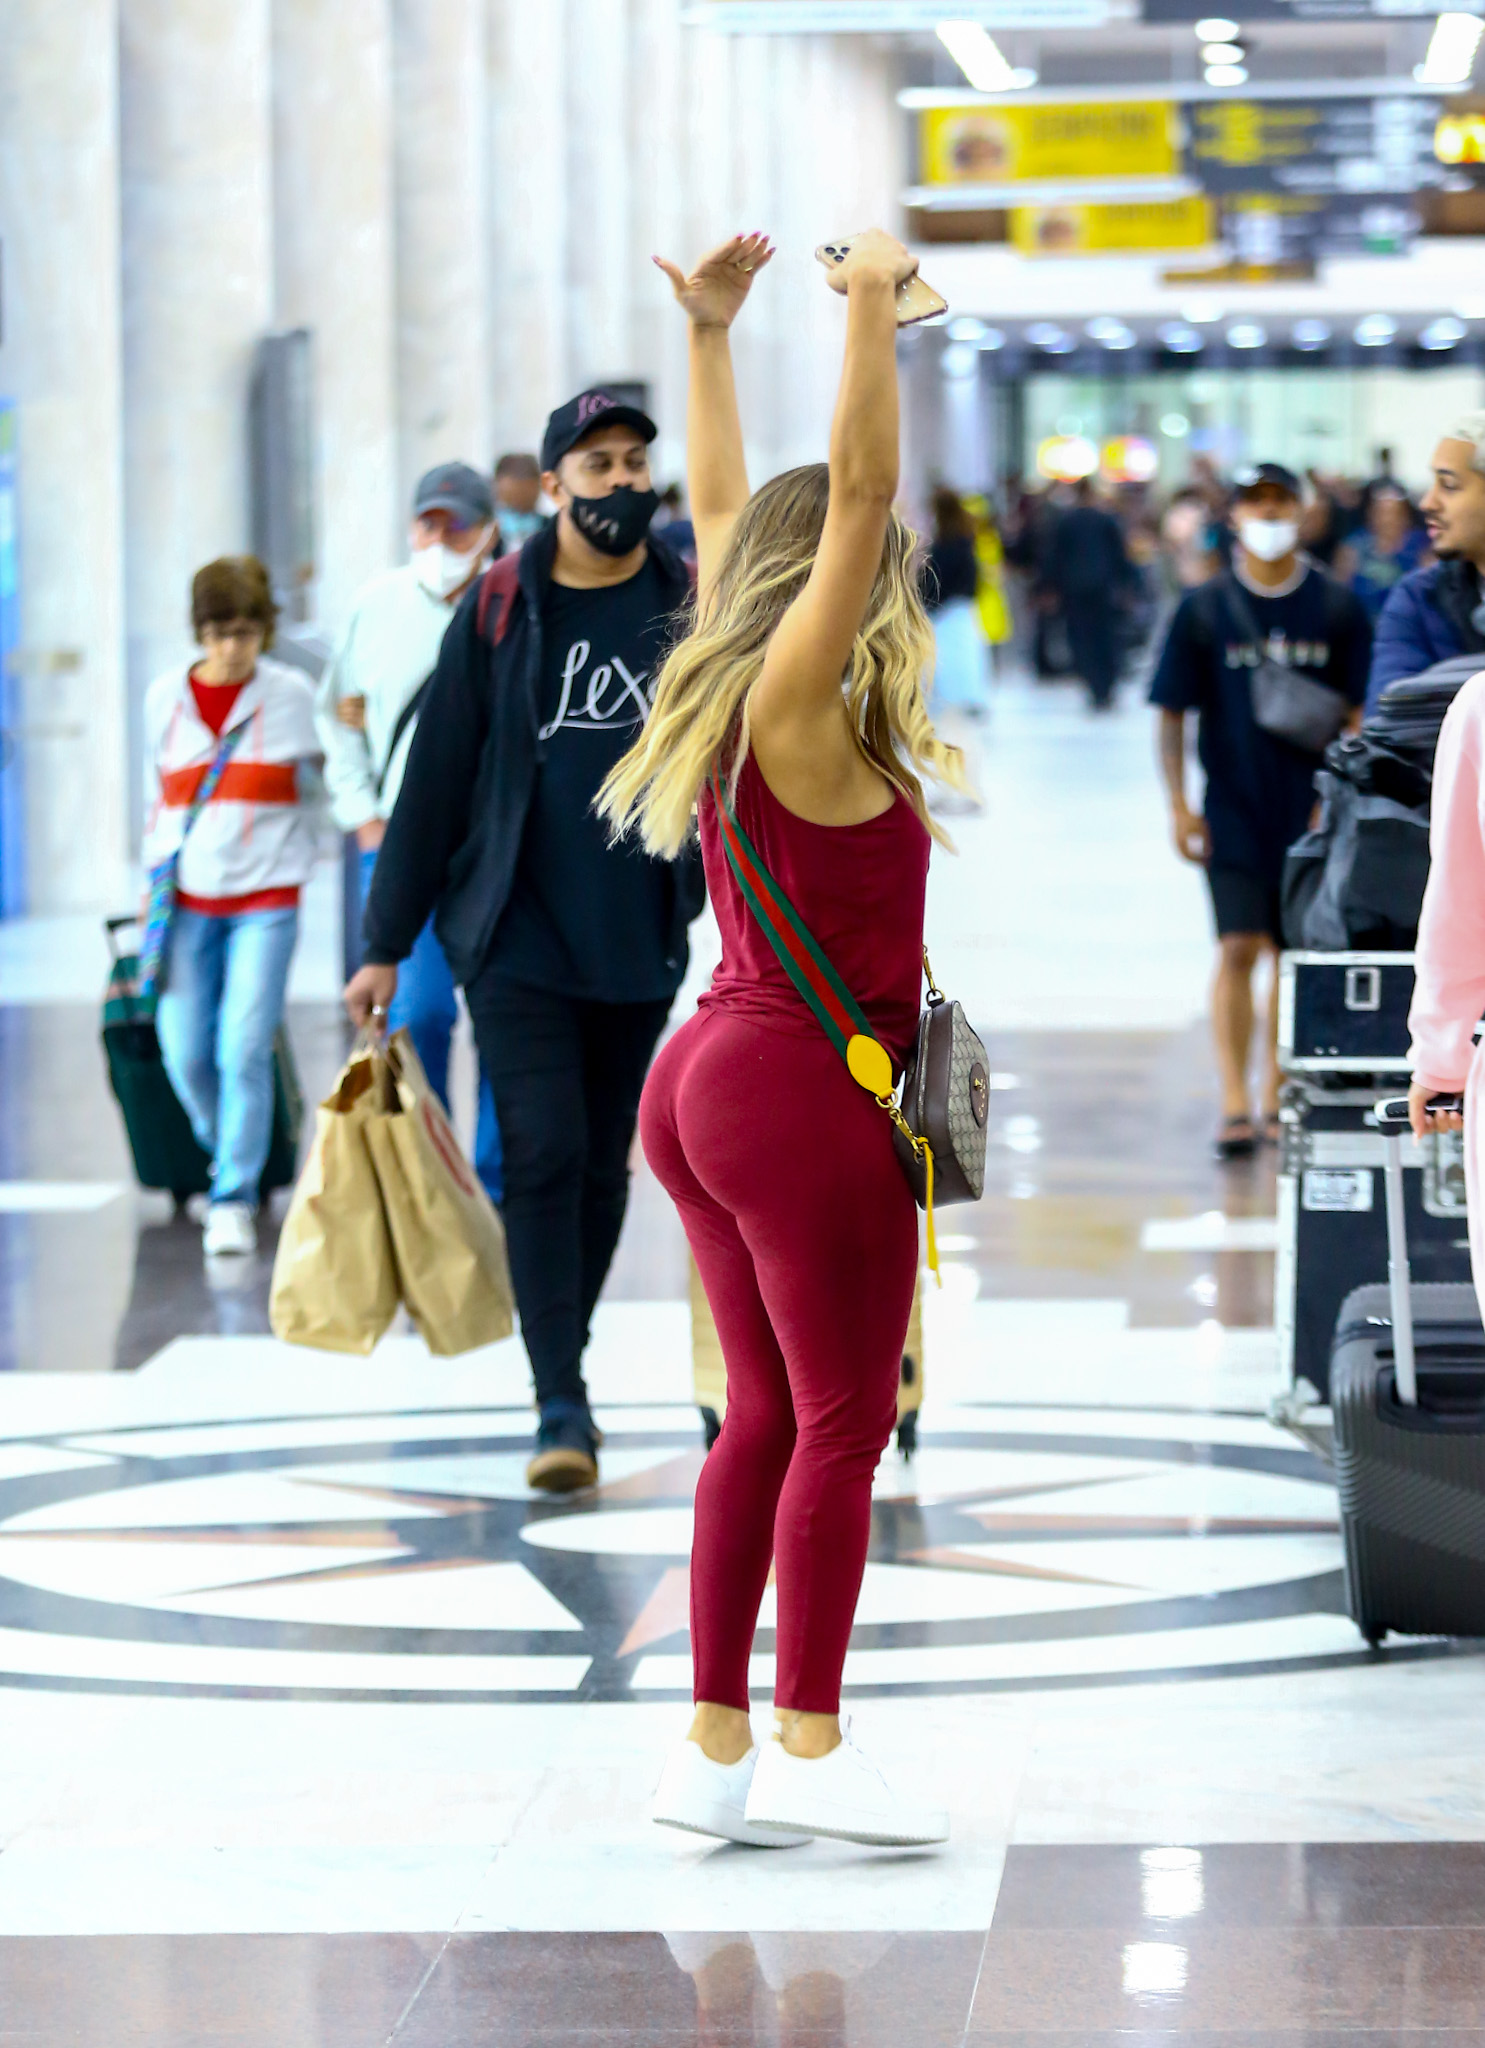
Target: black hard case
{"points": [[1412, 1478], [1330, 1140], [1344, 1013]]}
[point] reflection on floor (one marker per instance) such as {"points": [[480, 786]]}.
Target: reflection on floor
{"points": [[317, 1728]]}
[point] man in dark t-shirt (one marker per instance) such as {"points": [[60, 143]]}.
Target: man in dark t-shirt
{"points": [[569, 950], [1273, 604]]}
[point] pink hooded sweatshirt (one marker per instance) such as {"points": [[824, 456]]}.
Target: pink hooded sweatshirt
{"points": [[1449, 996]]}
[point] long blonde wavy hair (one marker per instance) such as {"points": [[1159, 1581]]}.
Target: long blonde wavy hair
{"points": [[701, 697]]}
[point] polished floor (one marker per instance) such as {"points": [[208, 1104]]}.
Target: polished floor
{"points": [[317, 1728]]}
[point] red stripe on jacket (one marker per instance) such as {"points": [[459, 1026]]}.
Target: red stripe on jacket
{"points": [[243, 782], [239, 906]]}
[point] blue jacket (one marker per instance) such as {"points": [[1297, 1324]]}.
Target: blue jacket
{"points": [[1426, 619]]}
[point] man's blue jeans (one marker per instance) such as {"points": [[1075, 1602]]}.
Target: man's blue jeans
{"points": [[426, 1004], [223, 1002]]}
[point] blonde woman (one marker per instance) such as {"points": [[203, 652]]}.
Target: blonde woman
{"points": [[798, 696]]}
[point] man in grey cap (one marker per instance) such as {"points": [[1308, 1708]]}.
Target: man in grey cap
{"points": [[367, 707]]}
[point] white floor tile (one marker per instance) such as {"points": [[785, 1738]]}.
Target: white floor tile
{"points": [[1210, 1232], [25, 1652], [265, 1890], [57, 1197]]}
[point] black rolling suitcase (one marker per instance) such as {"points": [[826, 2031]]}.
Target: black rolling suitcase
{"points": [[1407, 1391], [166, 1154]]}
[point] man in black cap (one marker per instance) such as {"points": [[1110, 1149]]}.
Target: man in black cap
{"points": [[1272, 607], [569, 950]]}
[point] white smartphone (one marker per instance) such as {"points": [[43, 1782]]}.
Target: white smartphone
{"points": [[916, 300]]}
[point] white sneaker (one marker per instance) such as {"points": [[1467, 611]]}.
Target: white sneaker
{"points": [[843, 1795], [709, 1799], [230, 1231]]}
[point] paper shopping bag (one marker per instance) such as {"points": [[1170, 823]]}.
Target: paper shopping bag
{"points": [[449, 1241], [335, 1277]]}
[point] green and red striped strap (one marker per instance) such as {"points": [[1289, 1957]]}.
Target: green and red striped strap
{"points": [[841, 1016]]}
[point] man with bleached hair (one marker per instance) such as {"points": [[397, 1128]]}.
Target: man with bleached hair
{"points": [[1439, 612]]}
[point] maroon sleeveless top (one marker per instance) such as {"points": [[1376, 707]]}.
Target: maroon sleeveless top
{"points": [[860, 890]]}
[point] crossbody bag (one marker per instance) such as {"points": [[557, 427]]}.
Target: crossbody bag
{"points": [[1286, 702], [161, 901], [940, 1118]]}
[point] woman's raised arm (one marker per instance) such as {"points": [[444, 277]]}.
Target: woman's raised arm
{"points": [[797, 714], [716, 470]]}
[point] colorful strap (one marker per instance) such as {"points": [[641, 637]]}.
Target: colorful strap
{"points": [[841, 1016], [216, 769]]}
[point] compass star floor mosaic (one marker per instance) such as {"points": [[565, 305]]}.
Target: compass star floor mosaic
{"points": [[318, 1730]]}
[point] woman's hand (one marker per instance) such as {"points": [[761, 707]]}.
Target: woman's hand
{"points": [[712, 295], [873, 254], [1426, 1121]]}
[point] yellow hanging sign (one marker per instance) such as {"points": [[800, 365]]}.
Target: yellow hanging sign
{"points": [[997, 145], [1115, 229]]}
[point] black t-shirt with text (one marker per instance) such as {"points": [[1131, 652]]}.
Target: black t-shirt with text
{"points": [[585, 918], [1260, 789]]}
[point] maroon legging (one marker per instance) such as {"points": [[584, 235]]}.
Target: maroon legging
{"points": [[806, 1237]]}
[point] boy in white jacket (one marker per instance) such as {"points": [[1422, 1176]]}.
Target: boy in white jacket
{"points": [[243, 859]]}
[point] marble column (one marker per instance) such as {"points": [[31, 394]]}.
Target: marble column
{"points": [[658, 220], [602, 87], [333, 257], [59, 362], [530, 352], [196, 143], [445, 300]]}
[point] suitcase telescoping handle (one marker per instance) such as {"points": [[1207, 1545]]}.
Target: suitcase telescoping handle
{"points": [[112, 926], [1392, 1120]]}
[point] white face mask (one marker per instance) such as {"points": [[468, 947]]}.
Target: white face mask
{"points": [[441, 571], [1269, 539]]}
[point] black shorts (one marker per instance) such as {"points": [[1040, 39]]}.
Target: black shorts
{"points": [[1244, 902]]}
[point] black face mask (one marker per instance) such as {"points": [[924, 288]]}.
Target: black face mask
{"points": [[615, 525]]}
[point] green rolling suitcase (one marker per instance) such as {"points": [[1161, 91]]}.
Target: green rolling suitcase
{"points": [[166, 1153]]}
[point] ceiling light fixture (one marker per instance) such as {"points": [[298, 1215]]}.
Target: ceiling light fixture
{"points": [[1311, 334], [1227, 74], [1223, 53], [1110, 333], [1216, 28], [1052, 339], [1445, 332], [993, 337], [1451, 50], [1181, 341], [1246, 334], [965, 327], [980, 57], [1374, 330]]}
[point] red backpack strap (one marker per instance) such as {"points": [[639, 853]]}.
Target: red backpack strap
{"points": [[498, 587]]}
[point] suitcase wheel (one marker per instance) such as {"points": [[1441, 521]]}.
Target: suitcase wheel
{"points": [[180, 1197], [1374, 1637], [907, 1434], [711, 1426]]}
